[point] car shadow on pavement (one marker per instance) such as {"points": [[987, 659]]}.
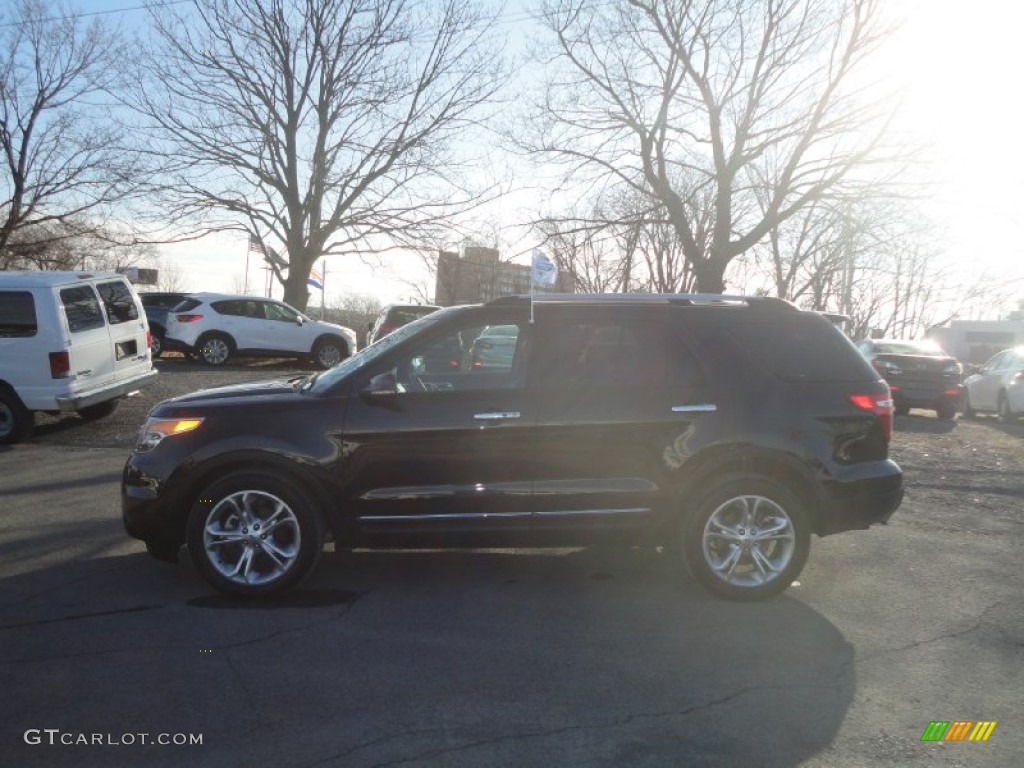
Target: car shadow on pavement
{"points": [[525, 657]]}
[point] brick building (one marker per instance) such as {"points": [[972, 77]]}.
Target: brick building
{"points": [[479, 275]]}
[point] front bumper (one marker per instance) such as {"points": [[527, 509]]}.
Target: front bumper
{"points": [[78, 401]]}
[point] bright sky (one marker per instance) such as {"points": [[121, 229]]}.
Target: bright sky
{"points": [[959, 63]]}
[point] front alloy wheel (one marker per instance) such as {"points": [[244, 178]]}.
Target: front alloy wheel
{"points": [[748, 540], [251, 535]]}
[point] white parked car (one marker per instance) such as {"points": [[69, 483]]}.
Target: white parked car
{"points": [[215, 327], [998, 386], [69, 342]]}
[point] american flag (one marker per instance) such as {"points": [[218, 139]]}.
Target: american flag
{"points": [[256, 245]]}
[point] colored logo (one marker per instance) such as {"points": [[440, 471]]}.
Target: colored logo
{"points": [[958, 730]]}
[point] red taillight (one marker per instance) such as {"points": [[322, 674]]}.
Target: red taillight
{"points": [[952, 392], [149, 339], [1019, 376], [60, 365], [880, 405], [188, 318]]}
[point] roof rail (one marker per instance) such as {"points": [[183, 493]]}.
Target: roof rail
{"points": [[703, 299]]}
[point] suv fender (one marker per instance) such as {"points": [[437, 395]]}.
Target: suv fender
{"points": [[786, 469]]}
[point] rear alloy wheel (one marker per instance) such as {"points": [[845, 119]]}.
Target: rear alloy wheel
{"points": [[253, 535], [214, 349], [16, 421], [748, 538], [328, 353], [1006, 416]]}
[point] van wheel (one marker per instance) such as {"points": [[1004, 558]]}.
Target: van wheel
{"points": [[214, 349], [16, 421], [747, 539], [98, 411], [254, 534]]}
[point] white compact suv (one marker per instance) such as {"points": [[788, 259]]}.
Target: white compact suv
{"points": [[998, 386], [215, 326], [69, 342]]}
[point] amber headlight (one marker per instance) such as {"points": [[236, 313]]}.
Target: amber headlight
{"points": [[155, 430]]}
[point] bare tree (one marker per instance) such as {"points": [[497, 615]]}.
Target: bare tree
{"points": [[318, 126], [64, 162], [705, 105]]}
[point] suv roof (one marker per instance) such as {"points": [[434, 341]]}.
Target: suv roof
{"points": [[29, 279], [693, 299]]}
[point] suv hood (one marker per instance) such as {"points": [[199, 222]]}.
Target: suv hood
{"points": [[247, 391]]}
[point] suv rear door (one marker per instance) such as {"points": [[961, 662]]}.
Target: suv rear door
{"points": [[617, 396]]}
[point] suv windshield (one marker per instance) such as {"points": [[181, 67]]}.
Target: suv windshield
{"points": [[329, 378]]}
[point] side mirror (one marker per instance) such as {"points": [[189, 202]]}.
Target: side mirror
{"points": [[382, 385], [300, 320]]}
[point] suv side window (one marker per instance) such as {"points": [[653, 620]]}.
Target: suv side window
{"points": [[17, 314], [280, 313], [455, 361], [82, 308], [118, 301], [619, 352]]}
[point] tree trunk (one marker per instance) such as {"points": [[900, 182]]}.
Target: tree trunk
{"points": [[710, 276]]}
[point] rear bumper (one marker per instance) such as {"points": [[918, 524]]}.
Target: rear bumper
{"points": [[79, 400], [861, 503], [927, 396]]}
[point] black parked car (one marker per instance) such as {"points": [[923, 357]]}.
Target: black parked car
{"points": [[727, 430], [920, 374], [158, 305]]}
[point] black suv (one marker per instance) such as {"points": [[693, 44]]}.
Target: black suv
{"points": [[726, 430], [158, 305]]}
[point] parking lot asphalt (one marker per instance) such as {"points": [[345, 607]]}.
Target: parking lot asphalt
{"points": [[510, 657]]}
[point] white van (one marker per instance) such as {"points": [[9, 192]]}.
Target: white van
{"points": [[69, 342]]}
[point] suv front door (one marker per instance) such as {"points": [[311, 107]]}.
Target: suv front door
{"points": [[449, 449]]}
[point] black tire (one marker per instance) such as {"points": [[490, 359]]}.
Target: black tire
{"points": [[901, 409], [745, 503], [156, 343], [254, 563], [966, 409], [1006, 416], [329, 351], [99, 411], [946, 411], [214, 348], [16, 421]]}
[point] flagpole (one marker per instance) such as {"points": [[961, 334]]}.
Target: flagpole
{"points": [[246, 289], [323, 285]]}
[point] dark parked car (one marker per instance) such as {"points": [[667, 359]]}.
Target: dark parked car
{"points": [[158, 305], [920, 374], [394, 316], [727, 430], [495, 348]]}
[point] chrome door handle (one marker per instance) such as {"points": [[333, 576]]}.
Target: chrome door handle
{"points": [[496, 415], [699, 408]]}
